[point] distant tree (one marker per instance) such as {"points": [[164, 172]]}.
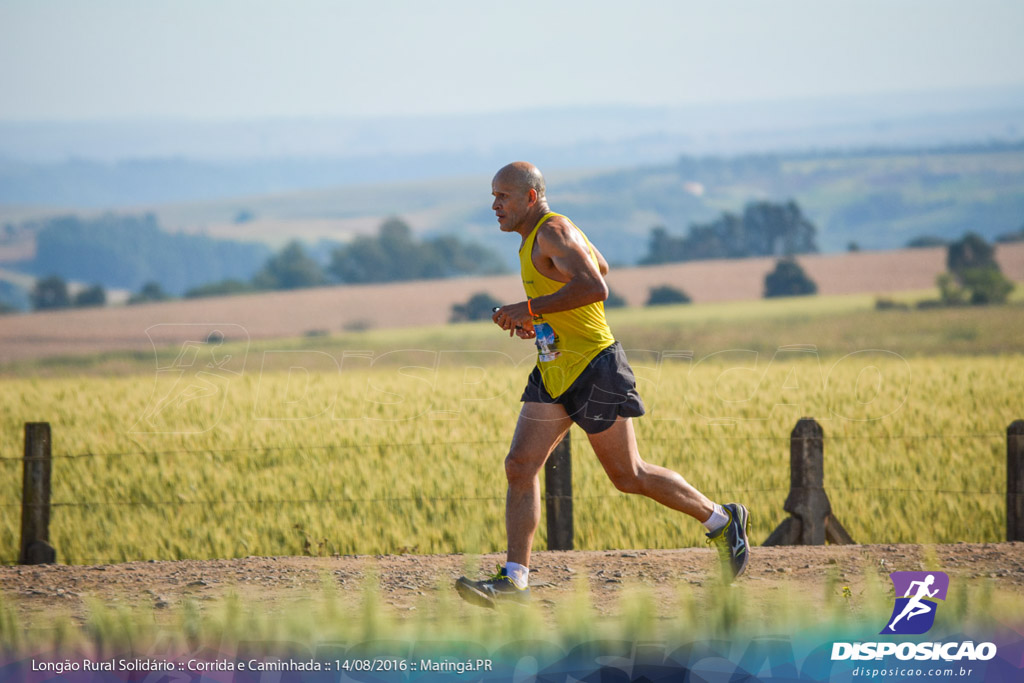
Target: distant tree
{"points": [[448, 256], [244, 216], [764, 229], [479, 307], [779, 228], [614, 300], [222, 288], [127, 251], [91, 296], [925, 241], [391, 255], [50, 293], [150, 292], [970, 251], [663, 248], [7, 309], [886, 304], [394, 254], [788, 279], [290, 268], [664, 295], [853, 247], [986, 285], [974, 276]]}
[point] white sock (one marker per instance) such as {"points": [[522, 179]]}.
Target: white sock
{"points": [[518, 573], [719, 518]]}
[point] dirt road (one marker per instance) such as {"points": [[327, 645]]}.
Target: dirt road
{"points": [[37, 592]]}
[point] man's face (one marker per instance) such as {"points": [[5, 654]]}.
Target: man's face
{"points": [[511, 204]]}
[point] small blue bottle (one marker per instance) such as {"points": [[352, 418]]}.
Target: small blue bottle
{"points": [[545, 342]]}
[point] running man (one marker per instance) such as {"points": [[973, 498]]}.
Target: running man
{"points": [[581, 376], [916, 604]]}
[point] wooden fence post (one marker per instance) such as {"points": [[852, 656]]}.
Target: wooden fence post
{"points": [[35, 497], [1015, 481], [558, 496], [811, 521]]}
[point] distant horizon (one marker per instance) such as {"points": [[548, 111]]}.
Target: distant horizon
{"points": [[1010, 90], [614, 134]]}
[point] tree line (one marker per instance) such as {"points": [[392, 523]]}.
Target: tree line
{"points": [[763, 229], [126, 251], [973, 278], [394, 254], [132, 252]]}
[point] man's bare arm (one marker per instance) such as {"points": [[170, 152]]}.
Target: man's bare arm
{"points": [[569, 254]]}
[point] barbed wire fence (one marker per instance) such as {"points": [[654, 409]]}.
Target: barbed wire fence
{"points": [[37, 461]]}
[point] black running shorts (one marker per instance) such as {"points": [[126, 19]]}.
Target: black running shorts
{"points": [[605, 390]]}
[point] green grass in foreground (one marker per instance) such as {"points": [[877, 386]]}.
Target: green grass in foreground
{"points": [[335, 617]]}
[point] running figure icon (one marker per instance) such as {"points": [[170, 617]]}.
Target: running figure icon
{"points": [[916, 605]]}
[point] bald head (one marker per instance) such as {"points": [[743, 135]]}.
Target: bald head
{"points": [[522, 176]]}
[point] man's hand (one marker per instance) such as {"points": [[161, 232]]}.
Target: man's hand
{"points": [[516, 319], [526, 331]]}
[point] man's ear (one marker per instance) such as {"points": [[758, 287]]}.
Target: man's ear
{"points": [[532, 196]]}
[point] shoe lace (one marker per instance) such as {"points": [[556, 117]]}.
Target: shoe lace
{"points": [[499, 573], [720, 544]]}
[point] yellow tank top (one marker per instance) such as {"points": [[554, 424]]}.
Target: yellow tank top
{"points": [[566, 341]]}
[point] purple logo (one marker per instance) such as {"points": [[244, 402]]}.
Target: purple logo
{"points": [[917, 594]]}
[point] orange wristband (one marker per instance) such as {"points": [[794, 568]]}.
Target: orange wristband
{"points": [[529, 307]]}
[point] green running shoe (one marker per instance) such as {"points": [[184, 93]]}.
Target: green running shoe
{"points": [[732, 543], [497, 590]]}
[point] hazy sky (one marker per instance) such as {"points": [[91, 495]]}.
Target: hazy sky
{"points": [[73, 59]]}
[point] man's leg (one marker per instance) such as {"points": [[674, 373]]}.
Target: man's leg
{"points": [[539, 429], [541, 426], [617, 450]]}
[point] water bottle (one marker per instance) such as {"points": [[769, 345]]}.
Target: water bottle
{"points": [[545, 342]]}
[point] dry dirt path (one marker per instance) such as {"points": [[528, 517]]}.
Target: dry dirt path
{"points": [[36, 593]]}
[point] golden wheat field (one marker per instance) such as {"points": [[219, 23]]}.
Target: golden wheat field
{"points": [[406, 455]]}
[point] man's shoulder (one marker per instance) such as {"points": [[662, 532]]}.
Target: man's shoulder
{"points": [[557, 228]]}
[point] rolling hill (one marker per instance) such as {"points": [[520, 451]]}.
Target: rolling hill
{"points": [[331, 310]]}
